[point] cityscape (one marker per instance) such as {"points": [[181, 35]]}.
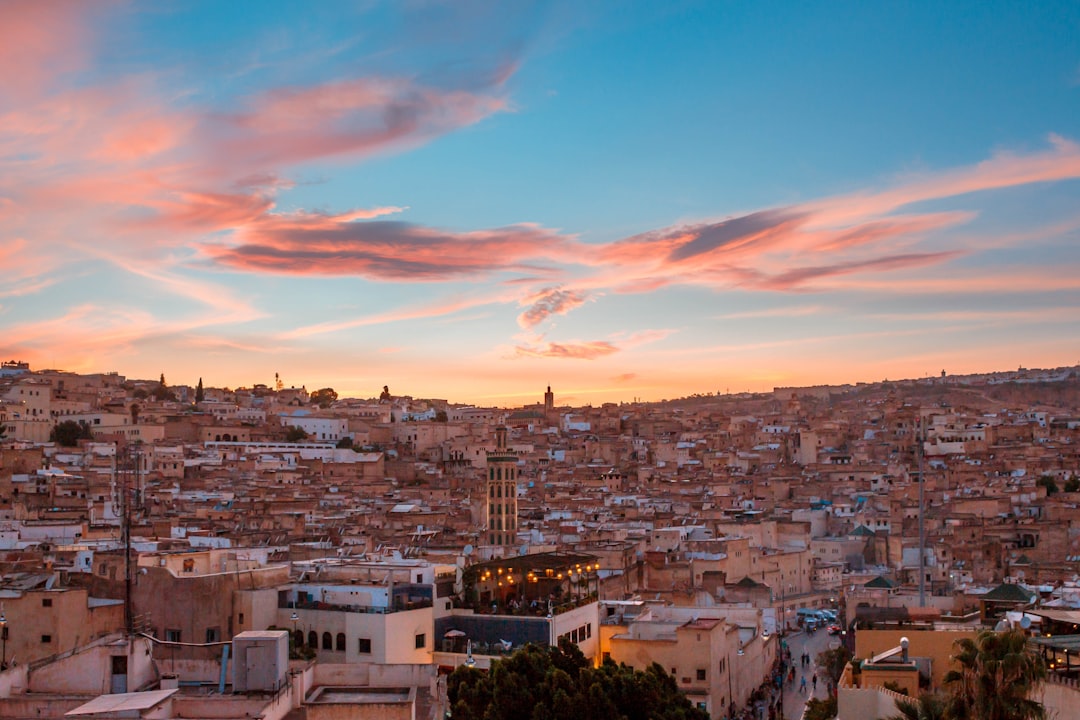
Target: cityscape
{"points": [[280, 551], [539, 360]]}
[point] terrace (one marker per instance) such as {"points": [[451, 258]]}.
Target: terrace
{"points": [[531, 585]]}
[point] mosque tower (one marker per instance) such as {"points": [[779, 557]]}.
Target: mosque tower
{"points": [[502, 513]]}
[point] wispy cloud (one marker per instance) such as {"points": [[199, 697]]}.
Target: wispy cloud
{"points": [[548, 302], [385, 250], [568, 350]]}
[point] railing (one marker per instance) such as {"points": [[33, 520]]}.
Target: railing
{"points": [[529, 610], [367, 609]]}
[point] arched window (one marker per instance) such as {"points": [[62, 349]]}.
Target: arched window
{"points": [[327, 641], [313, 639], [298, 638], [340, 642]]}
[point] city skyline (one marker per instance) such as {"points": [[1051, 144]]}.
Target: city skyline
{"points": [[476, 201]]}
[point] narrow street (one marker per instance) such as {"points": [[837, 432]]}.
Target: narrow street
{"points": [[794, 698]]}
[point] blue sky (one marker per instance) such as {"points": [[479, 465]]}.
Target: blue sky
{"points": [[471, 200]]}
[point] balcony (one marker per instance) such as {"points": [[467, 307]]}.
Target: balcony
{"points": [[366, 609]]}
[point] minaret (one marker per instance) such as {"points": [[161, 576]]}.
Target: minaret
{"points": [[501, 492], [549, 400]]}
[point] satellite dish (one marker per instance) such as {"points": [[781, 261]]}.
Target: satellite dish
{"points": [[1025, 622], [468, 549]]}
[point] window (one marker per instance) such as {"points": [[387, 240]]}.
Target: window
{"points": [[421, 641], [701, 673], [363, 646], [172, 636], [240, 618], [213, 635], [46, 602], [313, 639], [339, 643], [327, 641], [189, 565], [46, 638]]}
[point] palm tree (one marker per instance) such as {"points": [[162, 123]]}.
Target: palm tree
{"points": [[928, 706], [996, 677]]}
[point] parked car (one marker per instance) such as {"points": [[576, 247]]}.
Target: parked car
{"points": [[834, 629]]}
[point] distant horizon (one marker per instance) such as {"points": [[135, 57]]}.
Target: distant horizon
{"points": [[537, 396], [624, 200]]}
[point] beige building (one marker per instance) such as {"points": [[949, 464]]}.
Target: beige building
{"points": [[716, 660], [40, 621]]}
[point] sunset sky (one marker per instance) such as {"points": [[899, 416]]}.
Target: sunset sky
{"points": [[473, 200]]}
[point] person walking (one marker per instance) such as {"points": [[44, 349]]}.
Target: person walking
{"points": [[802, 684], [814, 681]]}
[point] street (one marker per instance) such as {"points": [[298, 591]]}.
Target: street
{"points": [[794, 698]]}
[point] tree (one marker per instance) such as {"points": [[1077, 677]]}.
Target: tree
{"points": [[817, 709], [928, 706], [199, 394], [345, 442], [1047, 482], [996, 677], [324, 398], [834, 661], [295, 434], [69, 432], [440, 416], [543, 683], [1072, 484]]}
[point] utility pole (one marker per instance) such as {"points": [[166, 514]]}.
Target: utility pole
{"points": [[922, 512], [129, 475]]}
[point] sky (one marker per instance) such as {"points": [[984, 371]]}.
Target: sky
{"points": [[472, 201]]}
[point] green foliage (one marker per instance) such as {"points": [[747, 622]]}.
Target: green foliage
{"points": [[295, 434], [540, 683], [345, 442], [833, 662], [1047, 482], [324, 397], [68, 433], [1072, 484], [928, 706], [162, 392], [817, 709], [440, 416], [996, 676], [200, 395]]}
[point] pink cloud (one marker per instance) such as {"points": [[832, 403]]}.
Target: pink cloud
{"points": [[339, 120], [396, 251], [548, 302], [570, 351], [40, 40], [1060, 162], [797, 278]]}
